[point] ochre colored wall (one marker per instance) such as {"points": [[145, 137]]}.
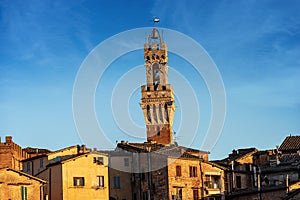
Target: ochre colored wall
{"points": [[185, 181], [85, 167], [11, 182]]}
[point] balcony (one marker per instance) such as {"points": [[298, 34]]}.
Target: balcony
{"points": [[212, 185]]}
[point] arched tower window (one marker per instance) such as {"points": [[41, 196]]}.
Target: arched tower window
{"points": [[156, 74], [149, 114], [166, 113]]}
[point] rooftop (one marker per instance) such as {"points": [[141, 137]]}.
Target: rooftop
{"points": [[291, 143]]}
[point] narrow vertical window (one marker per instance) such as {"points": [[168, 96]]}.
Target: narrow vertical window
{"points": [[238, 182], [193, 171], [156, 75], [178, 170], [23, 192], [155, 114], [149, 114], [28, 166], [126, 162], [117, 182], [100, 181], [166, 113], [41, 162], [195, 194], [161, 118]]}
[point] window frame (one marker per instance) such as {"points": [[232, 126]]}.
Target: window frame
{"points": [[126, 162], [117, 182], [99, 160], [24, 194], [41, 162], [195, 194], [238, 183], [193, 171], [178, 171], [78, 181], [100, 181]]}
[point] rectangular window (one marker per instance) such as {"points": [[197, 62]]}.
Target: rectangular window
{"points": [[78, 181], [23, 193], [238, 182], [178, 170], [98, 160], [126, 162], [41, 162], [28, 166], [117, 182], [143, 176], [100, 181], [179, 193], [193, 171], [145, 195], [195, 194]]}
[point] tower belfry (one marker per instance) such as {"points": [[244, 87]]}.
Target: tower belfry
{"points": [[157, 96]]}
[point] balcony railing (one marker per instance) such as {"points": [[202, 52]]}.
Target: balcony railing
{"points": [[212, 185]]}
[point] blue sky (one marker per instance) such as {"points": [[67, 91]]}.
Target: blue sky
{"points": [[255, 44]]}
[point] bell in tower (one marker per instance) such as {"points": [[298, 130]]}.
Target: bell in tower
{"points": [[157, 96]]}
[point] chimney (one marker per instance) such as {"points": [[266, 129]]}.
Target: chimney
{"points": [[83, 148], [8, 139], [234, 152]]}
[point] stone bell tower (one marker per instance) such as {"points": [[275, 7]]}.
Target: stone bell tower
{"points": [[157, 96]]}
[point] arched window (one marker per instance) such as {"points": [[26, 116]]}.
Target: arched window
{"points": [[166, 112], [149, 114], [156, 74]]}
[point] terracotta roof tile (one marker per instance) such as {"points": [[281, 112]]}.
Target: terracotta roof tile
{"points": [[290, 143]]}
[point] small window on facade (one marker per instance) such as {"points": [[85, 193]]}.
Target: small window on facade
{"points": [[195, 194], [143, 176], [98, 160], [178, 170], [238, 182], [126, 162], [78, 181], [41, 162], [178, 193], [193, 171], [24, 193], [100, 181], [145, 195], [28, 166], [117, 182]]}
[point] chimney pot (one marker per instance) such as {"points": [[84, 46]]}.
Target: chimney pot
{"points": [[8, 139]]}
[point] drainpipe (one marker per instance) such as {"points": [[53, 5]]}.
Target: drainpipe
{"points": [[287, 184], [140, 176], [233, 178], [149, 171], [49, 183], [258, 184], [201, 177]]}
